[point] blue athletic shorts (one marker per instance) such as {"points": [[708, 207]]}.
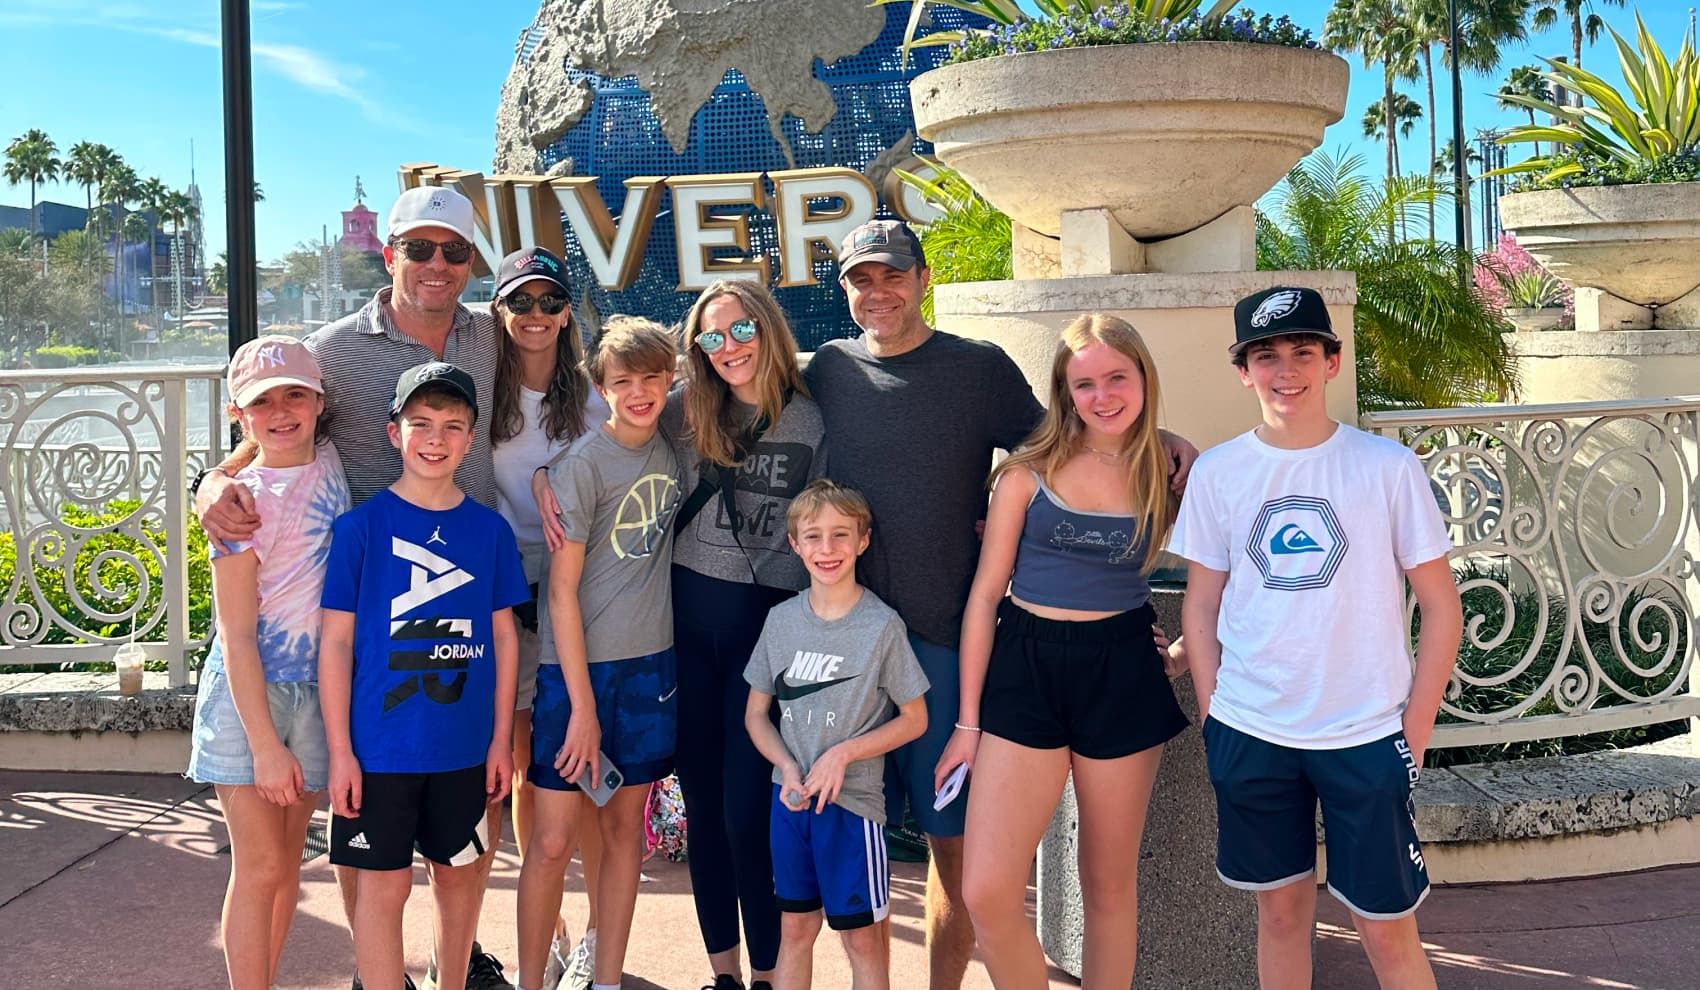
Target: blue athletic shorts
{"points": [[834, 861], [637, 705], [909, 767], [1266, 797], [219, 751]]}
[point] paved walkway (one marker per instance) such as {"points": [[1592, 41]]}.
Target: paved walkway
{"points": [[115, 881]]}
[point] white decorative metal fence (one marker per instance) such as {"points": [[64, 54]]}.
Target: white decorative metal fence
{"points": [[94, 548], [1575, 535]]}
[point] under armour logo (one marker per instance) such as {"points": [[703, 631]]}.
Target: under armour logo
{"points": [[437, 537]]}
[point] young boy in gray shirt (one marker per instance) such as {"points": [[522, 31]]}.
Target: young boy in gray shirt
{"points": [[837, 659]]}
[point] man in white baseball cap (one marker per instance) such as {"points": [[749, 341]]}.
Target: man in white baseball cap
{"points": [[415, 319]]}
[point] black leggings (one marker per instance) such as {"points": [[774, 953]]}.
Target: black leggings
{"points": [[728, 786]]}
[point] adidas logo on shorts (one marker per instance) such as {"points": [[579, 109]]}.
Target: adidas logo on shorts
{"points": [[359, 842]]}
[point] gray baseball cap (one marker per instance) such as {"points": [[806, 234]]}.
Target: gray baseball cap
{"points": [[889, 242]]}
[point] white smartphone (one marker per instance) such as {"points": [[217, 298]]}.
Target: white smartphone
{"points": [[952, 787], [602, 787]]}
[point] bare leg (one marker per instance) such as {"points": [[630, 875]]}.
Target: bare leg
{"points": [[616, 883], [797, 933], [870, 961], [1015, 792], [950, 931], [1395, 952], [1113, 797], [263, 876], [1286, 917], [590, 855], [457, 893], [377, 926], [299, 818], [541, 873]]}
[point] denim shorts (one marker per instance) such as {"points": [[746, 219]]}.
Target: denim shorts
{"points": [[219, 752]]}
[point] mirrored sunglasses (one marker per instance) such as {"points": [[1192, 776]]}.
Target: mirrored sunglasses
{"points": [[711, 341], [421, 249], [519, 303]]}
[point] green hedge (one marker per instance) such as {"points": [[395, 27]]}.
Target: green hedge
{"points": [[116, 576], [64, 356]]}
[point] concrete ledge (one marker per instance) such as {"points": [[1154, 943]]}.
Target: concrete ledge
{"points": [[77, 721], [1570, 816]]}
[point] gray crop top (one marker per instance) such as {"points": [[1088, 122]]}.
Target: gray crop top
{"points": [[1081, 560]]}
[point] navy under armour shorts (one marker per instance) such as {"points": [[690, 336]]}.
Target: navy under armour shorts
{"points": [[1266, 798]]}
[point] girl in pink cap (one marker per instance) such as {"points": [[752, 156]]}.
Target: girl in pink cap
{"points": [[259, 737]]}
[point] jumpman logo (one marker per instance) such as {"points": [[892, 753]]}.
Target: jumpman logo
{"points": [[437, 537]]}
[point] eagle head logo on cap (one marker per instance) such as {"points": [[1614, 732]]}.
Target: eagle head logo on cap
{"points": [[1276, 306]]}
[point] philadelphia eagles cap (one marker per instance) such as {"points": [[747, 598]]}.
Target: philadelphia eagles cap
{"points": [[434, 376], [1281, 310]]}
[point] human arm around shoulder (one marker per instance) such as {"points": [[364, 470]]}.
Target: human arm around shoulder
{"points": [[1437, 648], [224, 505], [584, 732], [1200, 610], [1181, 454], [1004, 520], [236, 596]]}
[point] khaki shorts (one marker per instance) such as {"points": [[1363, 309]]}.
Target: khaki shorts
{"points": [[526, 690]]}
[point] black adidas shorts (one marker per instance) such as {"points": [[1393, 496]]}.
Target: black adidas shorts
{"points": [[440, 814]]}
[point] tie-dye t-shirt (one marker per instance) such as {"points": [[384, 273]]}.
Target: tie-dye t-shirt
{"points": [[296, 506]]}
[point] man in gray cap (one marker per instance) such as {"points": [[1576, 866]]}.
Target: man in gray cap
{"points": [[417, 318], [913, 418]]}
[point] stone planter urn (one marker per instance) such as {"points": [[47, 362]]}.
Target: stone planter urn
{"points": [[1535, 318], [1640, 243], [1165, 136]]}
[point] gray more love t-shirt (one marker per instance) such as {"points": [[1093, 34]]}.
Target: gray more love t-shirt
{"points": [[835, 681], [619, 502]]}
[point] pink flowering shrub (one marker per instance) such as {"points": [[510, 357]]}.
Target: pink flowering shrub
{"points": [[1508, 260]]}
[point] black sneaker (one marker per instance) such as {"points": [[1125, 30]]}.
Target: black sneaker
{"points": [[406, 982], [726, 981], [484, 971], [761, 985]]}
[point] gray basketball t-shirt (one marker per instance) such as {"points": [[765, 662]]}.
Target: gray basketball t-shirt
{"points": [[619, 502], [835, 681]]}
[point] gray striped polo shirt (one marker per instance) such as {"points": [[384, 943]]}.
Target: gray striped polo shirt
{"points": [[360, 358]]}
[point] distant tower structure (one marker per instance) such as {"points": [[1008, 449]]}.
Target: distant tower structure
{"points": [[360, 225]]}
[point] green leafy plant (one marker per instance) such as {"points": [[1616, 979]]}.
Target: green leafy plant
{"points": [[1423, 336], [971, 242], [1533, 290], [1656, 122], [1081, 23], [96, 566]]}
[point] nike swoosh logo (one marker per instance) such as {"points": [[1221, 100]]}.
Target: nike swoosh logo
{"points": [[663, 698], [786, 691]]}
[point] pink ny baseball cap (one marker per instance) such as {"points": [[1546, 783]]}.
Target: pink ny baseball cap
{"points": [[268, 361]]}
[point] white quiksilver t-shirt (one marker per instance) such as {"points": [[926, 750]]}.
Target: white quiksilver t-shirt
{"points": [[1315, 650]]}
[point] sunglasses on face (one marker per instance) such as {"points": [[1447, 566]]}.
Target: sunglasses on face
{"points": [[711, 341], [421, 250], [520, 304]]}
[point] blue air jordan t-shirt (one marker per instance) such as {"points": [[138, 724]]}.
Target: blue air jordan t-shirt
{"points": [[422, 585]]}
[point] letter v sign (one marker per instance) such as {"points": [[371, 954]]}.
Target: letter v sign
{"points": [[422, 587]]}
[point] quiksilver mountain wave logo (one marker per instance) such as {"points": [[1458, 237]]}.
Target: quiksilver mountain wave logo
{"points": [[1292, 538]]}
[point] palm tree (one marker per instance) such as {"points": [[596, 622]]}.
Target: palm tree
{"points": [[1526, 81], [1379, 31], [80, 167], [1423, 337], [1442, 166], [122, 189], [179, 209], [14, 243], [1406, 113], [31, 158], [218, 273], [151, 196], [259, 194], [1483, 28], [1584, 23]]}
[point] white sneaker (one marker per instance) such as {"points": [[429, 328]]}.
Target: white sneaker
{"points": [[557, 963], [580, 965]]}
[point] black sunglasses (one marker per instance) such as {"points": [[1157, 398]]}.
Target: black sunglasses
{"points": [[742, 331], [519, 303], [421, 250]]}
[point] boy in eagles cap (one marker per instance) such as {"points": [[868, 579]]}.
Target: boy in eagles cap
{"points": [[1301, 535]]}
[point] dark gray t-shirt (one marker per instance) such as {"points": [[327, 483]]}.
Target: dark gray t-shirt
{"points": [[835, 681], [619, 502], [916, 433], [789, 455]]}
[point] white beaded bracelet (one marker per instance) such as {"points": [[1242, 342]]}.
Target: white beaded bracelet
{"points": [[968, 728]]}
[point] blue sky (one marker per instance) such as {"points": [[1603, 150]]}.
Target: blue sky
{"points": [[352, 87]]}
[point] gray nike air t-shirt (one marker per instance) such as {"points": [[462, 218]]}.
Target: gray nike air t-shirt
{"points": [[619, 502], [834, 681]]}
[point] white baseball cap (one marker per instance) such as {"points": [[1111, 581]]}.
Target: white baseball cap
{"points": [[431, 206]]}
